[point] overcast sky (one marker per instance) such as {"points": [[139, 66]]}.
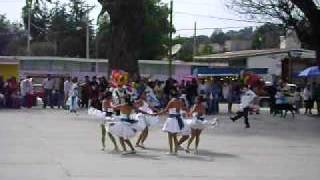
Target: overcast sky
{"points": [[186, 12]]}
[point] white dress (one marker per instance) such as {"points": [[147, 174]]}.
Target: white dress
{"points": [[172, 125], [197, 122], [126, 127], [148, 119]]}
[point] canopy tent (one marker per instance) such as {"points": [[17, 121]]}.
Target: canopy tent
{"points": [[310, 72]]}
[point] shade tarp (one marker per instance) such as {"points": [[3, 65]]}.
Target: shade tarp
{"points": [[310, 72]]}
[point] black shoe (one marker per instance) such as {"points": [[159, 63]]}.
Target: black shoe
{"points": [[232, 119], [247, 125]]}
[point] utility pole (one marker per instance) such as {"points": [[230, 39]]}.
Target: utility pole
{"points": [[29, 29], [195, 50], [87, 38], [89, 8], [170, 39]]}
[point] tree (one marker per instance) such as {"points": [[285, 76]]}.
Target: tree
{"points": [[12, 38], [39, 19], [155, 32], [303, 16], [5, 34], [127, 27], [218, 36], [207, 49], [186, 52], [68, 28], [267, 36]]}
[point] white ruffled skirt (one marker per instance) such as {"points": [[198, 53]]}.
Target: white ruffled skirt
{"points": [[149, 120], [195, 123], [172, 126], [125, 129]]}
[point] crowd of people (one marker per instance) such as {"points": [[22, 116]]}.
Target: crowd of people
{"points": [[55, 93], [283, 97]]}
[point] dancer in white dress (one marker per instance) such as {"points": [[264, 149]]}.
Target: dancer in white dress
{"points": [[144, 107], [127, 127], [186, 131], [197, 123], [174, 123], [109, 121]]}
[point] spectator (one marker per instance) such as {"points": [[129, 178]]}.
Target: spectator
{"points": [[59, 92], [297, 100], [313, 91], [215, 93], [48, 85], [158, 90], [26, 91], [94, 81], [191, 91], [73, 96], [317, 97], [307, 97], [227, 95], [103, 84], [12, 99], [272, 90], [202, 88], [85, 92], [2, 97], [1, 84], [66, 89]]}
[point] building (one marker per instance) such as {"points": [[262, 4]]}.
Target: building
{"points": [[39, 67], [269, 63], [237, 45], [9, 67]]}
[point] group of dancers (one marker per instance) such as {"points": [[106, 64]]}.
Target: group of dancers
{"points": [[125, 115]]}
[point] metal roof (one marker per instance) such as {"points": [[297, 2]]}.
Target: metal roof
{"points": [[52, 58], [251, 53]]}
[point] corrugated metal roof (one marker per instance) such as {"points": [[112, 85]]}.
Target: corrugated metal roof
{"points": [[51, 58], [250, 53]]}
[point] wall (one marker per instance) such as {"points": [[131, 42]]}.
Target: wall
{"points": [[272, 62], [7, 70]]}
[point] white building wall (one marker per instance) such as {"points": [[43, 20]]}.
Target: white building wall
{"points": [[272, 62]]}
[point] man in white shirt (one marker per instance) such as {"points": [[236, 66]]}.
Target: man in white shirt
{"points": [[48, 85], [26, 89], [66, 89], [247, 98]]}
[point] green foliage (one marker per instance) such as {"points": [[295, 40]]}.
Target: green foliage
{"points": [[155, 31], [267, 36], [186, 52], [207, 49], [10, 33], [62, 27]]}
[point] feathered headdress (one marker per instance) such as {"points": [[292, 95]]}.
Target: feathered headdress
{"points": [[119, 78]]}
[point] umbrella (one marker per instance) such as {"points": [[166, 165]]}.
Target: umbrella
{"points": [[311, 71]]}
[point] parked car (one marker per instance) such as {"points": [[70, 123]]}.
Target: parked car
{"points": [[38, 90]]}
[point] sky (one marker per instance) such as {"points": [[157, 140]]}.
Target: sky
{"points": [[185, 14]]}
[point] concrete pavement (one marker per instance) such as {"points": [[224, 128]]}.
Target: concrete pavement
{"points": [[51, 144]]}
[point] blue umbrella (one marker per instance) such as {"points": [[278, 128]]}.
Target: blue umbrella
{"points": [[311, 71]]}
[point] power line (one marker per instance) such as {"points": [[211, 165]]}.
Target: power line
{"points": [[212, 28], [221, 18]]}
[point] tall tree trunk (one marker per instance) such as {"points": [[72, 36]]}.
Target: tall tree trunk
{"points": [[127, 22]]}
